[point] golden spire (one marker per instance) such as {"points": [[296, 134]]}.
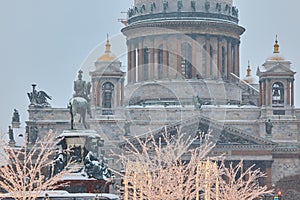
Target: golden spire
{"points": [[107, 56], [107, 46], [248, 70], [276, 46]]}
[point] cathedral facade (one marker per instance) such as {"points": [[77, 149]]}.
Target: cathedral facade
{"points": [[183, 70]]}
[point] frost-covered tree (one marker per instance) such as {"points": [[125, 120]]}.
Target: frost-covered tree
{"points": [[240, 183], [23, 170], [171, 168], [165, 167]]}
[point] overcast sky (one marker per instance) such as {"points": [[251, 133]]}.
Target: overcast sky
{"points": [[46, 42]]}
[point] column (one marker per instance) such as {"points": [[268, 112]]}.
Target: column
{"points": [[238, 58], [229, 59], [129, 61], [122, 91], [292, 92], [219, 71], [151, 60], [155, 65], [118, 96], [208, 58], [140, 61], [179, 57], [165, 58], [268, 92], [288, 94], [194, 57], [132, 71]]}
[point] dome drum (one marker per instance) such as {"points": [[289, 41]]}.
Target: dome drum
{"points": [[146, 10]]}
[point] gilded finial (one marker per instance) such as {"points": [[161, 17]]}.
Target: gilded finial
{"points": [[276, 45], [107, 46], [248, 69]]}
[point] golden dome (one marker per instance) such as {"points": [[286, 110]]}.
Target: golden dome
{"points": [[276, 53], [249, 78], [107, 56]]}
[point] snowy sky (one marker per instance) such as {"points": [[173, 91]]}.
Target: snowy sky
{"points": [[46, 42]]}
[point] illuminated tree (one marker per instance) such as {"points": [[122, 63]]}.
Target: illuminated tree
{"points": [[165, 167], [23, 171], [240, 183], [172, 168]]}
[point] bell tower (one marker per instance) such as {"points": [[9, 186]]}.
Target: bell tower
{"points": [[276, 81], [107, 84]]}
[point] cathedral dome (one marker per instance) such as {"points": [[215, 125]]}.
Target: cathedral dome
{"points": [[276, 53], [156, 10], [249, 78], [107, 56]]}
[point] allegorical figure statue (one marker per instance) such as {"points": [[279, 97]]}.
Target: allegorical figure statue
{"points": [[269, 126], [38, 98], [16, 116], [127, 128], [11, 134]]}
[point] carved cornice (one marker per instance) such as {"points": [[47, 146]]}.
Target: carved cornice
{"points": [[175, 27]]}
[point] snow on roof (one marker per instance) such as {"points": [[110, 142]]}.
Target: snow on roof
{"points": [[79, 133]]}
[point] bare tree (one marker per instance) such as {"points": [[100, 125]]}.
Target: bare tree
{"points": [[165, 167], [168, 168], [24, 169], [240, 183]]}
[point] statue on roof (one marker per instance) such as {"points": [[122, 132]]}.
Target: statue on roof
{"points": [[269, 125], [16, 116], [11, 135], [38, 99]]}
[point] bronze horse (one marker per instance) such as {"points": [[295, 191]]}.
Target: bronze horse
{"points": [[80, 105]]}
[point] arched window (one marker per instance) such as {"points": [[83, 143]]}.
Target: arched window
{"points": [[107, 91], [278, 94], [146, 63], [160, 61], [186, 59]]}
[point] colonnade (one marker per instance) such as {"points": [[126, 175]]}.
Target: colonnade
{"points": [[187, 56], [266, 88]]}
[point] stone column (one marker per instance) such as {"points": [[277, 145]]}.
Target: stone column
{"points": [[155, 65], [268, 92], [288, 94], [229, 59], [165, 58], [122, 91], [118, 96], [219, 71], [140, 61], [132, 72], [129, 61], [238, 58], [194, 57], [208, 58], [292, 92], [151, 60], [179, 57]]}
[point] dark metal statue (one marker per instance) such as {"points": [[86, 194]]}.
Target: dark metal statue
{"points": [[95, 168], [16, 116], [38, 99], [11, 135], [269, 125]]}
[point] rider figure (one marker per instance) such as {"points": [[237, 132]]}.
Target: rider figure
{"points": [[80, 86]]}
